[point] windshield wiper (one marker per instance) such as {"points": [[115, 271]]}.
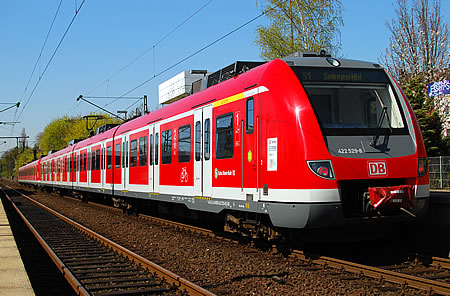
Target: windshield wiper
{"points": [[375, 138]]}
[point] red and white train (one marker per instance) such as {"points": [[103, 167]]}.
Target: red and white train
{"points": [[308, 141]]}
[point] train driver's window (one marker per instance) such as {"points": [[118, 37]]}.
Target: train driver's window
{"points": [[250, 116], [224, 136]]}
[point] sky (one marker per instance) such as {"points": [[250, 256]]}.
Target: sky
{"points": [[98, 55]]}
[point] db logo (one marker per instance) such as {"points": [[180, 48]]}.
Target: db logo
{"points": [[377, 168]]}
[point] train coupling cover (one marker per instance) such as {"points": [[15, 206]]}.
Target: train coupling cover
{"points": [[392, 198]]}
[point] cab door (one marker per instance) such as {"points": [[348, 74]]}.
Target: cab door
{"points": [[202, 152], [251, 153]]}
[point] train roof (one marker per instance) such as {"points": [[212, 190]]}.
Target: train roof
{"points": [[324, 60], [227, 87]]}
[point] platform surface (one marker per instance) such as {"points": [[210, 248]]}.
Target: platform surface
{"points": [[13, 277]]}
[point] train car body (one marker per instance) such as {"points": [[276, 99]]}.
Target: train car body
{"points": [[309, 142]]}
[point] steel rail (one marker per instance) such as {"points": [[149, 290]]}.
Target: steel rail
{"points": [[373, 272], [70, 277], [439, 262], [377, 273], [170, 277], [369, 271]]}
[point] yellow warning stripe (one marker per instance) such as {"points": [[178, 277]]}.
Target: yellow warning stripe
{"points": [[229, 100], [240, 96]]}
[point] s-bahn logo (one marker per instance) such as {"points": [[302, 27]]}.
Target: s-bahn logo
{"points": [[377, 168]]}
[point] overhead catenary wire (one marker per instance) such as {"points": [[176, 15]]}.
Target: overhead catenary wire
{"points": [[150, 48], [192, 55], [41, 51], [51, 58]]}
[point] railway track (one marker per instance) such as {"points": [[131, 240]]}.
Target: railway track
{"points": [[431, 274], [91, 263], [427, 273], [433, 279]]}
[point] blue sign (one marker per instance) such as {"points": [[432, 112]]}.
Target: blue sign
{"points": [[439, 88]]}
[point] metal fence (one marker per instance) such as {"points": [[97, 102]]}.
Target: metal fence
{"points": [[439, 172]]}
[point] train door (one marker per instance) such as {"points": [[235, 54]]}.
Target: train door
{"points": [[103, 164], [202, 152], [125, 150], [151, 158], [88, 167], [250, 151], [156, 156]]}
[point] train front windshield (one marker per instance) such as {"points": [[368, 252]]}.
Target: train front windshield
{"points": [[352, 102]]}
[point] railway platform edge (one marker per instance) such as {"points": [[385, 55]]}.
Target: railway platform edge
{"points": [[13, 276]]}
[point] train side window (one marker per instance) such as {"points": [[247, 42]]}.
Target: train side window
{"points": [[156, 148], [108, 157], [224, 136], [184, 143], [166, 142], [93, 160], [124, 148], [117, 156], [126, 154], [133, 153], [250, 116], [88, 161], [207, 139], [143, 151], [97, 159], [151, 150], [198, 141]]}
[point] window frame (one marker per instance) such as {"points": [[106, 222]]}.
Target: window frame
{"points": [[225, 130], [166, 146], [117, 155], [133, 153], [198, 141], [207, 139], [184, 157], [142, 156], [109, 157], [250, 128]]}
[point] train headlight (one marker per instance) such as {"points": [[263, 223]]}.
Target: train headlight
{"points": [[422, 167], [322, 168]]}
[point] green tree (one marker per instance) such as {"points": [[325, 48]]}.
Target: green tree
{"points": [[8, 162], [427, 116], [58, 133], [300, 25]]}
